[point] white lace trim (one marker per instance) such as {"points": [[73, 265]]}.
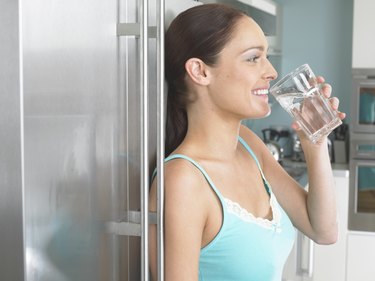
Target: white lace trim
{"points": [[243, 214]]}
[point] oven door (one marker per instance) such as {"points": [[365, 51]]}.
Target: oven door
{"points": [[363, 105], [362, 195]]}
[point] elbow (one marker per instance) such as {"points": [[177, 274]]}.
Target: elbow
{"points": [[327, 238]]}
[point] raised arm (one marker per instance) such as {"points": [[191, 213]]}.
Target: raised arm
{"points": [[313, 212]]}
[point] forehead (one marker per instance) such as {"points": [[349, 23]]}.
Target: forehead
{"points": [[247, 34]]}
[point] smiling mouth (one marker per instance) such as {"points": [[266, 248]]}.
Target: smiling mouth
{"points": [[261, 92]]}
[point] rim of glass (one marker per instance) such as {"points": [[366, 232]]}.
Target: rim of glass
{"points": [[292, 73]]}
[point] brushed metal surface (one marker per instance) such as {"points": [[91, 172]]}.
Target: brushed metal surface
{"points": [[71, 94], [70, 116], [11, 210]]}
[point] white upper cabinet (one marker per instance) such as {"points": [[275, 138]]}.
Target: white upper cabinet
{"points": [[363, 34]]}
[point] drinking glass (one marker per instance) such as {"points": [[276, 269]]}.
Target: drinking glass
{"points": [[299, 94]]}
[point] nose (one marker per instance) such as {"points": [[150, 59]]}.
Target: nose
{"points": [[270, 73]]}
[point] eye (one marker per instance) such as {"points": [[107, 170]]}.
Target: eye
{"points": [[253, 59]]}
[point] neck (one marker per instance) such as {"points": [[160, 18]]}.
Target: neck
{"points": [[212, 135]]}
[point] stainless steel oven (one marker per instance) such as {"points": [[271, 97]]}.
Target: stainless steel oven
{"points": [[362, 182], [363, 101]]}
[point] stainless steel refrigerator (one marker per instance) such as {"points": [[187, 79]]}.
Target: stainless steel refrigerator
{"points": [[81, 129], [81, 114]]}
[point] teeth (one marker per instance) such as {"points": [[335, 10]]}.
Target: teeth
{"points": [[261, 92]]}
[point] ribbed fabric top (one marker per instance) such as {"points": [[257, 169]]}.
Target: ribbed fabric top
{"points": [[247, 248]]}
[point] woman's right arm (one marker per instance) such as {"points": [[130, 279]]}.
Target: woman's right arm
{"points": [[184, 221]]}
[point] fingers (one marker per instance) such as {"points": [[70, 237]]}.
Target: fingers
{"points": [[320, 79], [341, 115], [326, 90], [334, 103], [295, 126]]}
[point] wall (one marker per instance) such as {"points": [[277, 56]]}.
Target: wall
{"points": [[318, 33]]}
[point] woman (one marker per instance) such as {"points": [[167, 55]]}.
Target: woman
{"points": [[230, 208]]}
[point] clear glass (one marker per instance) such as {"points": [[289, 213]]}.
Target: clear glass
{"points": [[366, 147], [299, 94], [367, 106]]}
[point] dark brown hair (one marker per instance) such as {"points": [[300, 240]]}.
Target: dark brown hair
{"points": [[199, 32]]}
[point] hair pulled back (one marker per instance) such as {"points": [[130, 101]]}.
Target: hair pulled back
{"points": [[199, 32]]}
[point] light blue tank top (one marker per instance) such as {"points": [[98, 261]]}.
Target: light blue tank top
{"points": [[246, 248]]}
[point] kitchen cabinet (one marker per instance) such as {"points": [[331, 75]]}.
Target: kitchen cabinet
{"points": [[363, 30], [309, 261], [361, 256]]}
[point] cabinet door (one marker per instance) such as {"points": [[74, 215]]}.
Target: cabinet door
{"points": [[363, 30], [361, 257], [329, 260]]}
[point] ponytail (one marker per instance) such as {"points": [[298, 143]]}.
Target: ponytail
{"points": [[176, 123]]}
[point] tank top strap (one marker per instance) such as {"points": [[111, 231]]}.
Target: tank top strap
{"points": [[247, 147], [197, 165]]}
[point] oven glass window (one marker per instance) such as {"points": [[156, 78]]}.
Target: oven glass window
{"points": [[367, 106], [366, 189], [366, 148]]}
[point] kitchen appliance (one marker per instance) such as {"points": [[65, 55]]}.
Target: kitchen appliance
{"points": [[340, 141], [297, 152], [362, 152], [273, 140], [362, 182], [363, 101], [81, 114]]}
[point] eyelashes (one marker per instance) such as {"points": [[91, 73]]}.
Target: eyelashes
{"points": [[253, 59], [256, 58]]}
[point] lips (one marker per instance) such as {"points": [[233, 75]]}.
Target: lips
{"points": [[260, 92]]}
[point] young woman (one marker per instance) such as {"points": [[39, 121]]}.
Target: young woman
{"points": [[230, 208]]}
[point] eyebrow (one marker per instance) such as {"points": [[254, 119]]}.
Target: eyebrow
{"points": [[260, 48]]}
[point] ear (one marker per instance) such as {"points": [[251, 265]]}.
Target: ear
{"points": [[197, 71]]}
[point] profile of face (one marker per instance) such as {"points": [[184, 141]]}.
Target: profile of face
{"points": [[241, 78]]}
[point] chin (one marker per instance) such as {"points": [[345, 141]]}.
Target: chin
{"points": [[263, 115], [268, 113]]}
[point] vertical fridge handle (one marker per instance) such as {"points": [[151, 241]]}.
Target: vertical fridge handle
{"points": [[304, 268], [144, 138], [160, 137]]}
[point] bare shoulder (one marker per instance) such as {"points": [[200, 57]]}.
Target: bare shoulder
{"points": [[183, 183], [181, 176]]}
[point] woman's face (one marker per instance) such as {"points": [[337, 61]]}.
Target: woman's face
{"points": [[240, 79]]}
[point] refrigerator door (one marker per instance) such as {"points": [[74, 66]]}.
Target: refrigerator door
{"points": [[82, 139]]}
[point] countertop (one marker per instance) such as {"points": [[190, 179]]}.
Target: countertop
{"points": [[298, 170], [340, 170]]}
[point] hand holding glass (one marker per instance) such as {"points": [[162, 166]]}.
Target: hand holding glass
{"points": [[299, 94]]}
